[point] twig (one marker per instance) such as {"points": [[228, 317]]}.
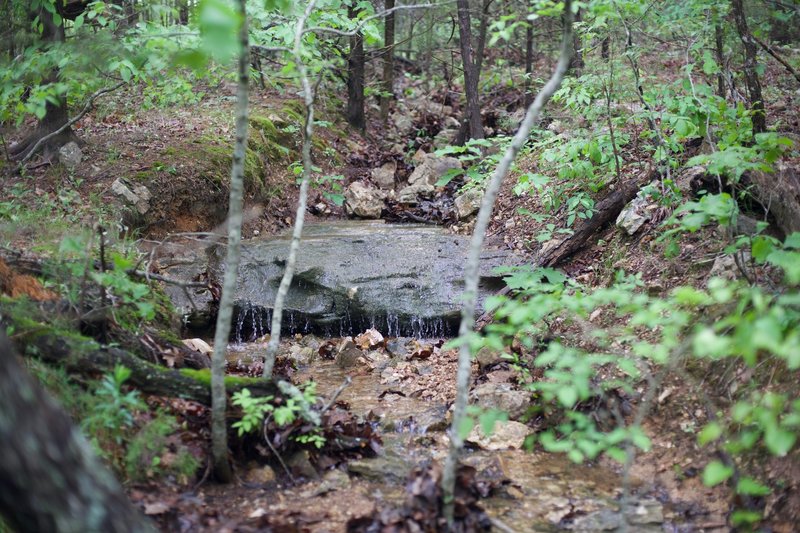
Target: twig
{"points": [[347, 381], [274, 451], [771, 51], [364, 21], [86, 108]]}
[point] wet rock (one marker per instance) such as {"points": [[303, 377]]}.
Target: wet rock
{"points": [[645, 516], [332, 480], [387, 466], [369, 339], [139, 196], [376, 359], [350, 276], [488, 356], [501, 396], [468, 203], [259, 475], [302, 355], [633, 216], [198, 345], [432, 168], [300, 465], [348, 354], [506, 435], [384, 175], [70, 155], [363, 201], [397, 347]]}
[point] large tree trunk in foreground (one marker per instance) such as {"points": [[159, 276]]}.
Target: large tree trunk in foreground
{"points": [[49, 478], [750, 64], [355, 78], [779, 191]]}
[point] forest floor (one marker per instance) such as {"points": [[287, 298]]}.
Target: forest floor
{"points": [[168, 152]]}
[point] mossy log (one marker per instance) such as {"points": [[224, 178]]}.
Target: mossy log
{"points": [[82, 355]]}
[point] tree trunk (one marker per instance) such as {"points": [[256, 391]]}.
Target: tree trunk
{"points": [[355, 78], [183, 13], [297, 232], [750, 64], [528, 63], [51, 481], [472, 116], [719, 51], [388, 61], [577, 59], [604, 48], [56, 113], [219, 430]]}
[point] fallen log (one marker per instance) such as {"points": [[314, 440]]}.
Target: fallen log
{"points": [[605, 211], [85, 356]]}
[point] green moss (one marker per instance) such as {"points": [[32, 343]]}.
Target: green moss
{"points": [[204, 377]]}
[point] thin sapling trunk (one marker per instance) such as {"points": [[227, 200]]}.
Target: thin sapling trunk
{"points": [[219, 430], [286, 281]]}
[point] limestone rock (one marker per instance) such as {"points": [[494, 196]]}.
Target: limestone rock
{"points": [[633, 216], [369, 339], [383, 176], [487, 356], [363, 201], [501, 396], [259, 475], [348, 355], [198, 345], [505, 435], [725, 266], [302, 355], [444, 138], [139, 196], [402, 122], [70, 155], [432, 168], [468, 203], [412, 193]]}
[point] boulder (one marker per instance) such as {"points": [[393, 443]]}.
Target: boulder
{"points": [[369, 339], [363, 201], [198, 345], [501, 396], [634, 215], [468, 203], [70, 155], [432, 168], [410, 195], [725, 266], [383, 176], [506, 435], [488, 356], [444, 138], [348, 355], [139, 196]]}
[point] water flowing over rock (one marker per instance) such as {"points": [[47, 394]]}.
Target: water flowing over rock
{"points": [[403, 280]]}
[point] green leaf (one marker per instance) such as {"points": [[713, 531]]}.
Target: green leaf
{"points": [[465, 427], [778, 440], [751, 487], [793, 241], [711, 432], [448, 176], [567, 396], [761, 248], [715, 473]]}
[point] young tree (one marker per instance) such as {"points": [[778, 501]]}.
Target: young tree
{"points": [[219, 429], [51, 480], [472, 115], [471, 276], [388, 59], [355, 76], [750, 67]]}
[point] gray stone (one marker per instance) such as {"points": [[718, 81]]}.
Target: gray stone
{"points": [[383, 176], [432, 168], [348, 355], [506, 435], [468, 203], [403, 280], [488, 356], [363, 201], [444, 138], [70, 155], [139, 197], [402, 122], [410, 195], [302, 355], [300, 465], [725, 266], [501, 396], [634, 215]]}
